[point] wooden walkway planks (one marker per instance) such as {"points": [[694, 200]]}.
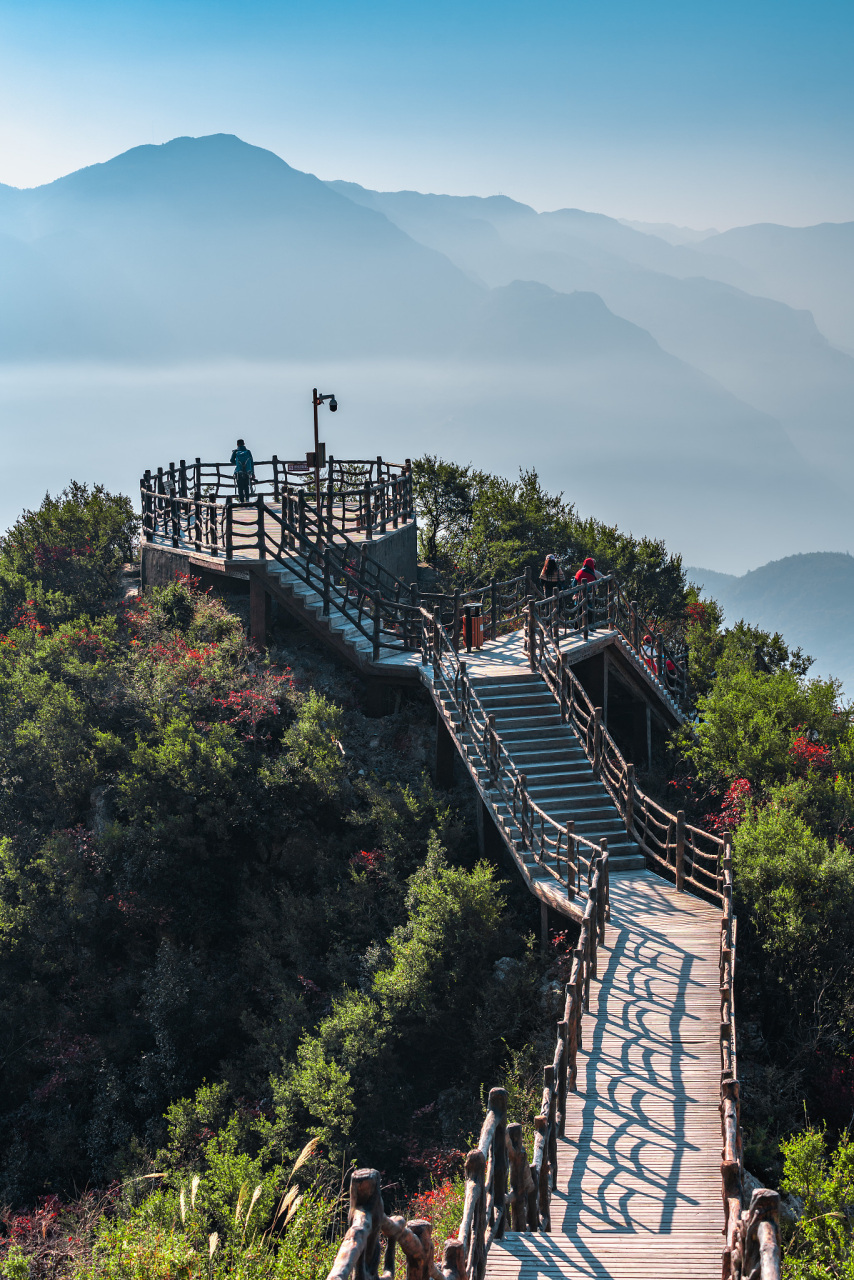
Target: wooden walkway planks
{"points": [[639, 1191]]}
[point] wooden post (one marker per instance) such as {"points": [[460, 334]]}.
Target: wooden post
{"points": [[523, 799], [659, 658], [301, 520], [229, 528], [326, 581], [369, 523], [602, 895], [455, 628], [560, 1117], [529, 587], [182, 478], [492, 748], [262, 532], [630, 799], [475, 1175], [597, 742], [680, 850], [520, 1177], [493, 608], [197, 520], [605, 669], [531, 633], [498, 1104], [377, 599], [197, 483], [570, 861], [633, 614], [571, 1041], [585, 612]]}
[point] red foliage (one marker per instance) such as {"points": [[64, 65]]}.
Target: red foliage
{"points": [[733, 807], [807, 754], [370, 860], [433, 1204], [52, 557], [697, 613]]}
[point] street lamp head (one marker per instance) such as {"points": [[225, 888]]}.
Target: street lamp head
{"points": [[333, 405]]}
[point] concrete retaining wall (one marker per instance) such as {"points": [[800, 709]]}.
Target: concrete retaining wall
{"points": [[397, 551]]}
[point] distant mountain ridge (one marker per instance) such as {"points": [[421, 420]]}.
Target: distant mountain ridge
{"points": [[809, 598], [601, 354]]}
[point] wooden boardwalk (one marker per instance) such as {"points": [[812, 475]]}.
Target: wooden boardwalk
{"points": [[639, 1185]]}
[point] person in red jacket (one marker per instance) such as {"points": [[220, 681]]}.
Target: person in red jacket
{"points": [[588, 571]]}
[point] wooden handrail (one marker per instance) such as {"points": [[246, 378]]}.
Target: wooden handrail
{"points": [[503, 1189], [647, 821], [751, 1233]]}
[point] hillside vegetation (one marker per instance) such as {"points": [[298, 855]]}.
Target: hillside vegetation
{"points": [[244, 941]]}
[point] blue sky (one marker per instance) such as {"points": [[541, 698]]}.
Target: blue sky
{"points": [[707, 115]]}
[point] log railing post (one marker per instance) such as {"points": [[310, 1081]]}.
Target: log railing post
{"points": [[492, 748], [602, 892], [197, 519], [524, 814], [369, 515], [659, 658], [521, 1181], [680, 850], [633, 614], [498, 1104], [229, 528], [597, 742], [437, 640], [630, 800], [301, 520], [571, 868], [182, 478], [326, 581], [262, 532], [531, 632], [455, 628], [571, 1040], [375, 638], [493, 608], [563, 1034]]}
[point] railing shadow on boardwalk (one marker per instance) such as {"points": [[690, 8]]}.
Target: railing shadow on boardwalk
{"points": [[630, 1121]]}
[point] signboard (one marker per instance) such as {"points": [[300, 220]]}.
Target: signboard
{"points": [[297, 466]]}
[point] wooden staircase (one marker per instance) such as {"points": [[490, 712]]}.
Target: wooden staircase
{"points": [[559, 775]]}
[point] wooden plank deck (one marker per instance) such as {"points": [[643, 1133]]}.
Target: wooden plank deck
{"points": [[639, 1188]]}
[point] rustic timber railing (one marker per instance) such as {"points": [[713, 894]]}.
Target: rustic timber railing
{"points": [[504, 1190], [752, 1235], [195, 501], [671, 845], [556, 847], [194, 506]]}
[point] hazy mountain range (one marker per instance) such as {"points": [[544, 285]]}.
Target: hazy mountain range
{"points": [[808, 598], [676, 385]]}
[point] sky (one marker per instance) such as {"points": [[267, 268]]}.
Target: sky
{"points": [[709, 115]]}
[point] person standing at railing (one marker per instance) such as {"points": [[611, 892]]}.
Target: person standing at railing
{"points": [[244, 470], [551, 576], [588, 571]]}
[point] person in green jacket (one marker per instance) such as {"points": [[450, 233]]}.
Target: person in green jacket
{"points": [[244, 470]]}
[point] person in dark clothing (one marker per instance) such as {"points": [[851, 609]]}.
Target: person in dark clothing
{"points": [[244, 470], [551, 576]]}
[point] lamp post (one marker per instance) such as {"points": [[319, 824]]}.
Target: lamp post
{"points": [[333, 408]]}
